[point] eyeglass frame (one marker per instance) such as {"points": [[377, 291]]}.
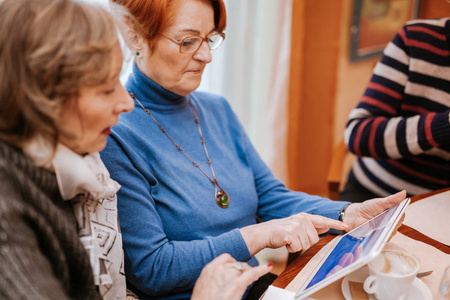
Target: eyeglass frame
{"points": [[204, 39]]}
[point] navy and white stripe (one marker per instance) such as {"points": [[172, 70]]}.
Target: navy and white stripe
{"points": [[400, 128]]}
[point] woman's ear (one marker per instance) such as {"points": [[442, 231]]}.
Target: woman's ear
{"points": [[134, 40], [125, 24]]}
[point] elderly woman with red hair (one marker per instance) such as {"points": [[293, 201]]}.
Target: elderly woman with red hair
{"points": [[193, 185]]}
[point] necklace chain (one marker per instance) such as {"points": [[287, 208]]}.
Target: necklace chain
{"points": [[222, 199]]}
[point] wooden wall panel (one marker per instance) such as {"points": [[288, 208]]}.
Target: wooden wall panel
{"points": [[430, 9], [295, 88], [312, 91]]}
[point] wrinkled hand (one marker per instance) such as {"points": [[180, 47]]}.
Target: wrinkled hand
{"points": [[297, 232], [358, 213], [221, 280]]}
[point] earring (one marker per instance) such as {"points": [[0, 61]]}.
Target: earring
{"points": [[137, 53]]}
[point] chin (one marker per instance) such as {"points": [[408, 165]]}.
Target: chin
{"points": [[185, 92], [97, 147], [188, 87]]}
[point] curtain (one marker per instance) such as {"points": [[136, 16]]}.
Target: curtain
{"points": [[251, 70]]}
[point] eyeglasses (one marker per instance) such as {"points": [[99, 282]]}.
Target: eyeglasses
{"points": [[191, 44]]}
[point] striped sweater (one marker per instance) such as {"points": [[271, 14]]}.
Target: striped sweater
{"points": [[400, 128]]}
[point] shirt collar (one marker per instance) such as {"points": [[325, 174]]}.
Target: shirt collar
{"points": [[75, 174]]}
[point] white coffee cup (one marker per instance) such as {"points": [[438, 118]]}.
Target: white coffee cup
{"points": [[392, 274]]}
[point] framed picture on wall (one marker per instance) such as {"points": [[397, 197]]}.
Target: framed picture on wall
{"points": [[375, 23]]}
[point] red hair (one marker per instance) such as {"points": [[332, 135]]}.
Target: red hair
{"points": [[151, 17]]}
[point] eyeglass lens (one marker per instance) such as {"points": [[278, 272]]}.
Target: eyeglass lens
{"points": [[193, 43]]}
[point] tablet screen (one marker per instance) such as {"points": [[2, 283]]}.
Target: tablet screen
{"points": [[354, 249]]}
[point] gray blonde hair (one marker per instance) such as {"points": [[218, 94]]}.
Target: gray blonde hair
{"points": [[49, 49]]}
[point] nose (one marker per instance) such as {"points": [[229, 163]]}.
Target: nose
{"points": [[124, 102], [203, 53]]}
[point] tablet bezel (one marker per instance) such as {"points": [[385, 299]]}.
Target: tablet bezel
{"points": [[376, 249]]}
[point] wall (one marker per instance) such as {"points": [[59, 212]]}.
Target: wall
{"points": [[325, 86], [314, 53], [430, 9]]}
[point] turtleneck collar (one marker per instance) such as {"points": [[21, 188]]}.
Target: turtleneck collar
{"points": [[149, 92]]}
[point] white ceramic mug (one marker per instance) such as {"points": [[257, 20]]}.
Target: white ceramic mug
{"points": [[392, 274]]}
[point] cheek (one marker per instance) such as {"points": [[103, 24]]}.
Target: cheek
{"points": [[169, 66], [95, 120], [70, 117], [69, 122]]}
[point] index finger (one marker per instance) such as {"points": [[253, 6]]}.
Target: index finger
{"points": [[254, 273], [321, 222]]}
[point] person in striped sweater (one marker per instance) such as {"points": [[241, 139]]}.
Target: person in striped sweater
{"points": [[400, 128]]}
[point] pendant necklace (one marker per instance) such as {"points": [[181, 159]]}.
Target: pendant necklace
{"points": [[222, 198]]}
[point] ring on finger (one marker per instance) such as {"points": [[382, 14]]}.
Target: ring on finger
{"points": [[240, 266]]}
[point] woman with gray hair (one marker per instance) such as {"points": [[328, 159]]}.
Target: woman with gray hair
{"points": [[60, 94]]}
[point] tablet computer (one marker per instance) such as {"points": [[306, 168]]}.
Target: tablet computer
{"points": [[353, 250]]}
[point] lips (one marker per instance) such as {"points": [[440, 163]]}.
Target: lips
{"points": [[199, 70], [195, 71], [107, 131]]}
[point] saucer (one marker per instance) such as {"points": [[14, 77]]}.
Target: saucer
{"points": [[419, 291]]}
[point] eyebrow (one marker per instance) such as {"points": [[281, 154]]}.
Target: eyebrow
{"points": [[197, 31]]}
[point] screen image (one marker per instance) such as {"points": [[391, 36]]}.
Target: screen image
{"points": [[352, 247]]}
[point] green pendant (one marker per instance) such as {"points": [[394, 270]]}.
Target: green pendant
{"points": [[222, 199]]}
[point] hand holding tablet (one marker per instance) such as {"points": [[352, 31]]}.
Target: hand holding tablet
{"points": [[358, 213], [359, 246]]}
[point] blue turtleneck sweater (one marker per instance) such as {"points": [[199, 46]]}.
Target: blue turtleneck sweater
{"points": [[171, 224]]}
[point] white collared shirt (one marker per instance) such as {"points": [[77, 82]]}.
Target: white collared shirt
{"points": [[87, 181]]}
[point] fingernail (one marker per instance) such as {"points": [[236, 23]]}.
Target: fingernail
{"points": [[269, 264]]}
